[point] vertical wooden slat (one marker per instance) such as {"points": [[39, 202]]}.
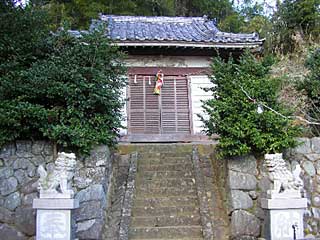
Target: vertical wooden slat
{"points": [[190, 105], [168, 113], [175, 103]]}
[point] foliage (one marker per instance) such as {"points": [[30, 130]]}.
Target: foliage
{"points": [[60, 87], [235, 118], [311, 85], [80, 12], [295, 20]]}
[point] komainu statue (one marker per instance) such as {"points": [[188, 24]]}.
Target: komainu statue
{"points": [[285, 183], [58, 182]]}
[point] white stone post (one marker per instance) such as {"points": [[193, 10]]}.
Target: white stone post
{"points": [[284, 219], [54, 218], [56, 202], [284, 204]]}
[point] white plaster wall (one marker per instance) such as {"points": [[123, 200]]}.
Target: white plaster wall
{"points": [[168, 61], [124, 122], [198, 82]]}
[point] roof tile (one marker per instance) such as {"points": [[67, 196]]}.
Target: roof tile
{"points": [[169, 29]]}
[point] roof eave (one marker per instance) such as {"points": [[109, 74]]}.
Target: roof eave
{"points": [[233, 45]]}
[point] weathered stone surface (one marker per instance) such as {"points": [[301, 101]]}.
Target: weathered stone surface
{"points": [[315, 212], [7, 150], [18, 185], [309, 168], [49, 159], [9, 233], [37, 160], [12, 201], [260, 213], [97, 156], [317, 179], [244, 224], [37, 147], [242, 181], [124, 160], [6, 216], [307, 183], [244, 164], [30, 186], [91, 229], [317, 166], [22, 176], [24, 149], [240, 200], [80, 178], [28, 199], [316, 200], [94, 192], [313, 156], [245, 238], [6, 172], [88, 176], [315, 144], [23, 163], [25, 220], [310, 236], [89, 210], [48, 149], [8, 186], [85, 225], [253, 195], [304, 147]]}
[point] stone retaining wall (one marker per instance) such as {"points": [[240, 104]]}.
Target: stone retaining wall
{"points": [[248, 183], [18, 188]]}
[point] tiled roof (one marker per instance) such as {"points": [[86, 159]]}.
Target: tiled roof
{"points": [[172, 31]]}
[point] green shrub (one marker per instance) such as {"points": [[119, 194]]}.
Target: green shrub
{"points": [[311, 86], [234, 117], [59, 87]]}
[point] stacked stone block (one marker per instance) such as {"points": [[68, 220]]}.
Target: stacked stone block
{"points": [[307, 154], [244, 198], [18, 187], [117, 194]]}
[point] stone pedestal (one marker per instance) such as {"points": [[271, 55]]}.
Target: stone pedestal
{"points": [[284, 217], [54, 218]]}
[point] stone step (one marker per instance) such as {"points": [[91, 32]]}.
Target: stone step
{"points": [[166, 201], [165, 221], [163, 148], [166, 191], [166, 167], [170, 238], [167, 160], [180, 232], [150, 175], [165, 211], [164, 157], [168, 182]]}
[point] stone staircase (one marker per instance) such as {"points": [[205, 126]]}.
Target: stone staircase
{"points": [[165, 204], [167, 191]]}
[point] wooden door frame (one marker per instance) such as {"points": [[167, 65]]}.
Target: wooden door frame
{"points": [[169, 71]]}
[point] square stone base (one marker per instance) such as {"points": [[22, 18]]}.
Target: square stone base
{"points": [[283, 215], [54, 218], [54, 225]]}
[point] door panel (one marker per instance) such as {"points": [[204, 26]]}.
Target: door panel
{"points": [[167, 113]]}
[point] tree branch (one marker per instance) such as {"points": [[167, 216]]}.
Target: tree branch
{"points": [[276, 112]]}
